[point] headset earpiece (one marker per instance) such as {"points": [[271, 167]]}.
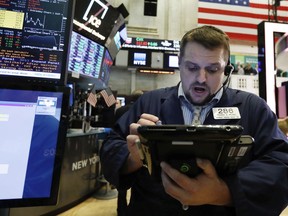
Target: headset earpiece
{"points": [[228, 70]]}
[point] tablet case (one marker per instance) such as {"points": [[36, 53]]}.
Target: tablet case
{"points": [[179, 145]]}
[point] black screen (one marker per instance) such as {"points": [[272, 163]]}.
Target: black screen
{"points": [[34, 37], [33, 125]]}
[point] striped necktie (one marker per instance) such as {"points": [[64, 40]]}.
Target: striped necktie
{"points": [[196, 115]]}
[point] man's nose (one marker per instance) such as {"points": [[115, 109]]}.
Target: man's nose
{"points": [[201, 78]]}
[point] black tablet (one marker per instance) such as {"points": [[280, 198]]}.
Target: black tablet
{"points": [[180, 145]]}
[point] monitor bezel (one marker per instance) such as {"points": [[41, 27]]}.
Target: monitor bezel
{"points": [[62, 132]]}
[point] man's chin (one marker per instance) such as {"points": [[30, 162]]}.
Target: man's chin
{"points": [[201, 101]]}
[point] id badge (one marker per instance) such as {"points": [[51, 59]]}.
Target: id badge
{"points": [[226, 113]]}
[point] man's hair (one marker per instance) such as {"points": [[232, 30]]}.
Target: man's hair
{"points": [[208, 36], [136, 94]]}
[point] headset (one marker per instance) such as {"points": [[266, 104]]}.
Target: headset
{"points": [[227, 72]]}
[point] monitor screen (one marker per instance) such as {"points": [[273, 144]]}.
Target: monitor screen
{"points": [[171, 61], [106, 68], [72, 93], [121, 100], [117, 37], [139, 58], [85, 56], [34, 37], [33, 131]]}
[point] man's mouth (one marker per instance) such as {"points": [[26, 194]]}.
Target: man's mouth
{"points": [[199, 89]]}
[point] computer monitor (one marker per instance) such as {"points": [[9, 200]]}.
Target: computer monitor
{"points": [[33, 125], [117, 37], [106, 68], [171, 61], [34, 37], [139, 58], [85, 57]]}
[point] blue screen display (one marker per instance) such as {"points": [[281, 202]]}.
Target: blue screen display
{"points": [[29, 125]]}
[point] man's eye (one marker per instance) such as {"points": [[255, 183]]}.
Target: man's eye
{"points": [[212, 70], [192, 68]]}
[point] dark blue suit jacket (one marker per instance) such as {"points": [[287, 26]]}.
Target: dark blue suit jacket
{"points": [[260, 188]]}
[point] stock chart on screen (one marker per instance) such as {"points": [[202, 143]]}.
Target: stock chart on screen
{"points": [[33, 38]]}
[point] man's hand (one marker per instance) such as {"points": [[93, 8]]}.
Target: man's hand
{"points": [[133, 161], [206, 188]]}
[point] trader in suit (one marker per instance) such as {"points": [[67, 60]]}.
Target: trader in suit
{"points": [[259, 187], [122, 194]]}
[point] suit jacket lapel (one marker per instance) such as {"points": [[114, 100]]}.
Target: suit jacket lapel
{"points": [[171, 112]]}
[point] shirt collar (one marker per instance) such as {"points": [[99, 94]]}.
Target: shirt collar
{"points": [[213, 101]]}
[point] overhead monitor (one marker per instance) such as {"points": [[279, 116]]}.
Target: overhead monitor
{"points": [[85, 56], [34, 37], [33, 125], [152, 44], [117, 37], [106, 68], [171, 61], [138, 58]]}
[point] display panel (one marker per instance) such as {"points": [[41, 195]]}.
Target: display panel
{"points": [[121, 100], [171, 61], [282, 54], [85, 56], [152, 44], [33, 125], [72, 93], [117, 37], [106, 68], [139, 58], [34, 37]]}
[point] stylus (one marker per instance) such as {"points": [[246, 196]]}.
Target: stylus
{"points": [[185, 207], [138, 144], [159, 122]]}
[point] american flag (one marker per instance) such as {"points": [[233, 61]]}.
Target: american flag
{"points": [[92, 99], [239, 18], [108, 97]]}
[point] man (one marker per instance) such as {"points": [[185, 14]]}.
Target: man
{"points": [[259, 188], [122, 199]]}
